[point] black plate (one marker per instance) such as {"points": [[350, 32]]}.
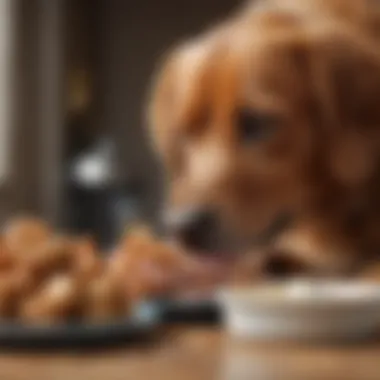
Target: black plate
{"points": [[137, 327], [201, 311]]}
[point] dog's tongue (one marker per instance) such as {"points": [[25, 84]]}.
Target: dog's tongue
{"points": [[200, 273], [205, 274]]}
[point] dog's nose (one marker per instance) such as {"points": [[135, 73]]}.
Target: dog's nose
{"points": [[193, 227]]}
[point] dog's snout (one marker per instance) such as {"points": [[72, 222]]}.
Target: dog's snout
{"points": [[193, 228]]}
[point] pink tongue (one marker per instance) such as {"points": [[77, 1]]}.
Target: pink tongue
{"points": [[199, 280], [196, 277]]}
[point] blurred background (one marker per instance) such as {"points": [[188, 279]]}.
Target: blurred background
{"points": [[74, 77]]}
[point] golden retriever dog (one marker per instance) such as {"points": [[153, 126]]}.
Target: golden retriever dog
{"points": [[268, 125]]}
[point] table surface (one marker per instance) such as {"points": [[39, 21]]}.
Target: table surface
{"points": [[199, 353]]}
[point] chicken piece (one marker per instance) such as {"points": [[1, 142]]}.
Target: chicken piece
{"points": [[25, 233], [136, 241], [55, 302], [53, 256], [149, 266], [14, 286], [141, 243], [7, 260], [87, 261], [8, 297], [141, 278], [105, 299], [133, 263]]}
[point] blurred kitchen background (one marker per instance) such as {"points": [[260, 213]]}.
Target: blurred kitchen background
{"points": [[74, 77]]}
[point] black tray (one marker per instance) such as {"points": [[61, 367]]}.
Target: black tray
{"points": [[138, 327], [205, 311]]}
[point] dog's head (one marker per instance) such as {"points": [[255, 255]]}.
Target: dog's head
{"points": [[267, 118]]}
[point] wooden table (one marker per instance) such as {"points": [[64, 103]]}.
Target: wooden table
{"points": [[199, 354]]}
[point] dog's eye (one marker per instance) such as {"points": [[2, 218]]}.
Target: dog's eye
{"points": [[255, 126]]}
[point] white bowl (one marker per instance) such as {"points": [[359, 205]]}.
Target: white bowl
{"points": [[302, 310]]}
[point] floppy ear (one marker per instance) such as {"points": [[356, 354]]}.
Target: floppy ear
{"points": [[166, 108], [162, 95], [346, 73]]}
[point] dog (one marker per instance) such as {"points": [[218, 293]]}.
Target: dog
{"points": [[268, 126]]}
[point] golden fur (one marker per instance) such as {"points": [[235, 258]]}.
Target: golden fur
{"points": [[314, 67]]}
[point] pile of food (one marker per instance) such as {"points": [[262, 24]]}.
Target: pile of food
{"points": [[48, 278]]}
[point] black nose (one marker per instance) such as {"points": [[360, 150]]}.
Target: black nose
{"points": [[192, 228]]}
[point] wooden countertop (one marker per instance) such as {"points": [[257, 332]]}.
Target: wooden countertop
{"points": [[199, 353]]}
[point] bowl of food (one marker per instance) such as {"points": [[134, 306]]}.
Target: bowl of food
{"points": [[302, 310]]}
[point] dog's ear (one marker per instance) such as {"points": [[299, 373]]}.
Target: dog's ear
{"points": [[346, 86], [162, 95], [336, 78], [349, 71]]}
